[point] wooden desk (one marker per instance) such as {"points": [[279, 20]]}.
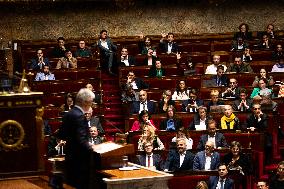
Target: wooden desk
{"points": [[142, 178]]}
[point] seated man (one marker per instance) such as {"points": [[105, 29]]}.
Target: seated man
{"points": [[277, 53], [94, 136], [222, 181], [277, 179], [150, 159], [239, 45], [206, 159], [45, 75], [157, 70], [243, 103], [94, 121], [128, 94], [233, 90], [258, 119], [137, 83], [192, 104], [229, 120], [269, 32], [218, 139], [279, 66], [169, 45], [239, 67], [266, 43], [82, 50], [212, 69], [59, 50], [220, 79], [38, 62], [215, 101], [126, 59], [262, 185], [150, 59], [179, 159], [68, 61], [142, 104]]}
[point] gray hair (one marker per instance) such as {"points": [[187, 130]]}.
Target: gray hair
{"points": [[84, 95]]}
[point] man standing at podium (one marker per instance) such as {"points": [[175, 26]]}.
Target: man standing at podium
{"points": [[75, 131]]}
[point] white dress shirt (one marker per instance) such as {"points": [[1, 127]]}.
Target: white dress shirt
{"points": [[181, 158]]}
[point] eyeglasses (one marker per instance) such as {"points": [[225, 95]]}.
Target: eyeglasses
{"points": [[130, 74], [233, 82]]}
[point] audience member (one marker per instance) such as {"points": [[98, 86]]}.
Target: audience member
{"points": [[269, 32], [181, 92], [183, 133], [144, 119], [39, 62], [243, 32], [239, 67], [179, 159], [142, 104], [266, 43], [263, 75], [201, 185], [68, 61], [144, 44], [267, 104], [233, 91], [166, 101], [150, 59], [218, 139], [137, 83], [129, 94], [237, 160], [229, 120], [212, 69], [220, 79], [107, 51], [94, 121], [69, 103], [247, 55], [200, 120], [279, 66], [193, 103], [45, 74], [261, 89], [59, 51], [243, 103], [83, 50], [206, 159], [277, 53], [95, 138], [150, 159], [172, 122], [97, 96], [262, 185], [157, 70], [215, 101], [239, 45], [148, 135], [126, 59], [169, 46], [277, 180], [222, 181]]}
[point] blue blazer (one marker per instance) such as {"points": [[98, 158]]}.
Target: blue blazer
{"points": [[199, 161], [136, 107], [172, 163], [220, 141], [34, 64], [157, 161], [41, 77], [213, 181]]}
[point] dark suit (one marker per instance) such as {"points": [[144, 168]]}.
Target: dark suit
{"points": [[213, 181], [177, 124], [164, 47], [140, 83], [153, 72], [145, 61], [75, 131], [58, 52], [244, 67], [196, 121], [238, 102], [221, 81], [210, 103], [243, 161], [235, 94], [189, 101], [34, 64], [107, 55], [131, 61], [199, 161], [136, 107], [96, 121], [220, 141], [161, 104], [157, 161], [172, 163], [253, 122]]}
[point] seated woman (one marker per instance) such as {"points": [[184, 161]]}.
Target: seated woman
{"points": [[261, 90], [171, 123], [263, 75], [157, 71], [215, 101], [182, 92], [69, 103], [166, 101], [236, 160], [229, 120], [183, 133], [200, 120], [243, 32], [148, 135], [143, 120]]}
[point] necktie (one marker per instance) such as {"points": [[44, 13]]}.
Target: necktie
{"points": [[218, 81], [144, 106], [222, 184], [149, 163]]}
